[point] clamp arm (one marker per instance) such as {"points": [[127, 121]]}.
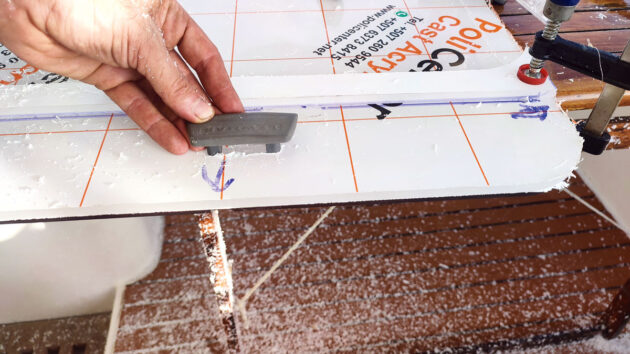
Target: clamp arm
{"points": [[589, 61], [600, 65]]}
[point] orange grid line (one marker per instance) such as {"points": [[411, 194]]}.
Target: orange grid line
{"points": [[415, 25], [96, 161], [345, 130], [343, 120], [498, 113], [374, 118], [470, 145], [375, 55], [69, 131], [262, 12], [224, 165], [299, 122], [233, 39], [416, 117], [231, 61], [323, 11], [327, 36]]}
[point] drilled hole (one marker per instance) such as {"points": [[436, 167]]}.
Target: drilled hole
{"points": [[27, 351], [78, 349], [53, 350]]}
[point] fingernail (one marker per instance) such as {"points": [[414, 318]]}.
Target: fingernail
{"points": [[203, 111]]}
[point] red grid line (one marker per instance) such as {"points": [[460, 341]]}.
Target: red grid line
{"points": [[345, 130], [470, 145], [327, 36], [96, 161], [233, 39]]}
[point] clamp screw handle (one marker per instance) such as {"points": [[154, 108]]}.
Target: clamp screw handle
{"points": [[557, 11]]}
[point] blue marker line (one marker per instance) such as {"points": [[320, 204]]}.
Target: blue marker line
{"points": [[517, 99], [216, 183], [64, 116], [101, 114], [529, 111]]}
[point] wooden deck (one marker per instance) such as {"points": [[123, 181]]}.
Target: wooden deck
{"points": [[76, 335], [465, 274], [461, 274], [424, 275]]}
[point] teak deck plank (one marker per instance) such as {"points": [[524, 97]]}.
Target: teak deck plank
{"points": [[174, 308], [583, 22], [412, 275], [385, 277], [512, 7], [77, 334], [435, 301], [401, 276]]}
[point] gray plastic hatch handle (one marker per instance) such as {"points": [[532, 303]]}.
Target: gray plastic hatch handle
{"points": [[267, 128]]}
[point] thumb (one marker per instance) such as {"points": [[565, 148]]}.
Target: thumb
{"points": [[155, 63]]}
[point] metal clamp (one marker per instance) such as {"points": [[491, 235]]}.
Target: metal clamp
{"points": [[594, 130]]}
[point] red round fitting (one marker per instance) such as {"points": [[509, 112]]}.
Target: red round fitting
{"points": [[532, 80]]}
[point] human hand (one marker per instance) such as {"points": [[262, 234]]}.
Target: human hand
{"points": [[126, 49]]}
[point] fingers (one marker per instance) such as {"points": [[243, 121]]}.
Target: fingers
{"points": [[168, 113], [181, 125], [192, 81], [139, 107], [168, 80], [205, 59], [106, 77], [109, 79]]}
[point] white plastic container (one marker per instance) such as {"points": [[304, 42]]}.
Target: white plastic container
{"points": [[59, 269]]}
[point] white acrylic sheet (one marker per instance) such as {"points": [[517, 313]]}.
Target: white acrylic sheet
{"points": [[66, 151]]}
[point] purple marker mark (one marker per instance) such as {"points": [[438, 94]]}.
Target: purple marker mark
{"points": [[530, 111], [535, 98], [216, 183]]}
